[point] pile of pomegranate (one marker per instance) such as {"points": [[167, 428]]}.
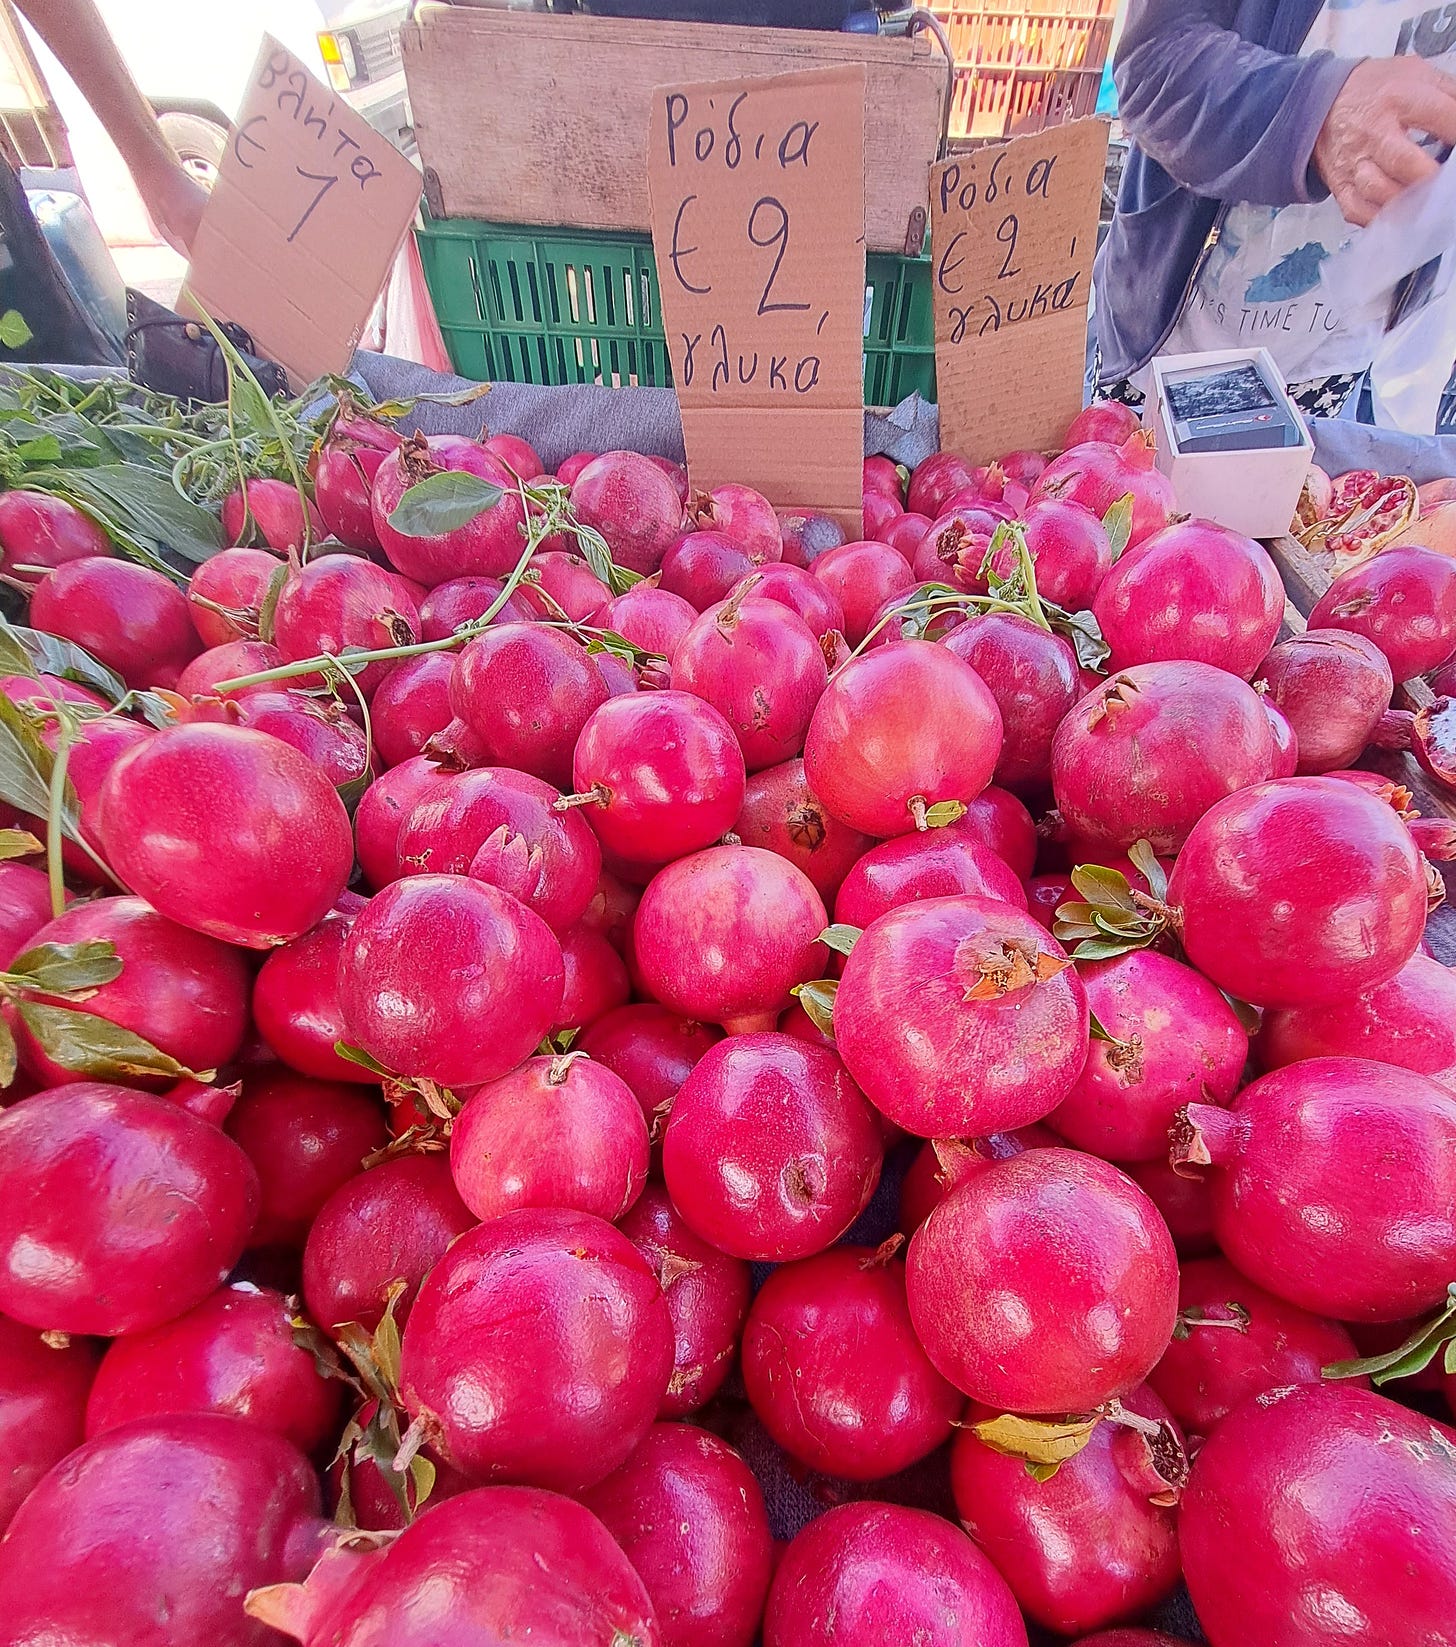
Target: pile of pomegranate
{"points": [[491, 958]]}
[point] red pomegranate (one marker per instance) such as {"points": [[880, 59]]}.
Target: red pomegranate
{"points": [[961, 1017], [227, 593], [1097, 475], [488, 545], [381, 812], [321, 729], [296, 1003], [865, 1575], [133, 619], [1071, 551], [1047, 1285], [771, 1151], [39, 532], [538, 1349], [458, 601], [1185, 1203], [862, 577], [828, 1403], [1105, 420], [1367, 1145], [118, 1210], [654, 619], [1308, 1512], [337, 602], [1332, 687], [634, 506], [343, 478], [595, 979], [998, 820], [271, 511], [938, 864], [1403, 599], [690, 1517], [1033, 677], [410, 705], [782, 814], [707, 1298], [203, 677], [43, 1390], [942, 1164]]}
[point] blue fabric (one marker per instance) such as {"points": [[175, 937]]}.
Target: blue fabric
{"points": [[1220, 108]]}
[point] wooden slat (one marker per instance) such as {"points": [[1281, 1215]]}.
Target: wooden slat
{"points": [[536, 118]]}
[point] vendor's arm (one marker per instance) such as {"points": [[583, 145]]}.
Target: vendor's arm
{"points": [[75, 32]]}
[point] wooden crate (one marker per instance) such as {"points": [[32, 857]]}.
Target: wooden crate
{"points": [[530, 117]]}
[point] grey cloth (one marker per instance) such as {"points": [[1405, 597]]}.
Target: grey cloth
{"points": [[1341, 444]]}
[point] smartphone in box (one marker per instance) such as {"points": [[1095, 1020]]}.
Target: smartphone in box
{"points": [[1229, 407]]}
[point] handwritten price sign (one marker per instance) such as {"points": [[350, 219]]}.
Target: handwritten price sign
{"points": [[309, 208], [1013, 231], [757, 190]]}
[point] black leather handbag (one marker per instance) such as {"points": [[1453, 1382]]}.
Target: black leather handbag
{"points": [[176, 356]]}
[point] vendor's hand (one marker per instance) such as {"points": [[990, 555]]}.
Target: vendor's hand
{"points": [[174, 200], [1364, 151]]}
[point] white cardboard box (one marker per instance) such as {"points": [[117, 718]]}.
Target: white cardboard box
{"points": [[1253, 491]]}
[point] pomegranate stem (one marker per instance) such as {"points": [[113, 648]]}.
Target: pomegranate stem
{"points": [[916, 803], [597, 795]]}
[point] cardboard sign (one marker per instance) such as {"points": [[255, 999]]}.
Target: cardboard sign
{"points": [[1013, 230], [309, 208], [757, 192]]}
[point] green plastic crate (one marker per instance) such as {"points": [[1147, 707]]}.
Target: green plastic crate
{"points": [[538, 305]]}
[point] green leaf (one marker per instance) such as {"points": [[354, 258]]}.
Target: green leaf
{"points": [[1044, 1442], [268, 610], [817, 1000], [443, 501], [58, 969], [840, 938], [1409, 1358], [7, 1054], [1118, 523], [1098, 1032], [18, 843], [422, 1473], [25, 762], [14, 333], [1103, 888], [139, 509], [1145, 860], [1083, 631], [357, 1055], [87, 1045], [1099, 949], [943, 813], [44, 449], [51, 655]]}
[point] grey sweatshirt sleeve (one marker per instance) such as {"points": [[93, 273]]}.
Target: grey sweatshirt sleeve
{"points": [[1226, 119]]}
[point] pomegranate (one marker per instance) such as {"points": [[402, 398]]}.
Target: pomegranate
{"points": [[504, 827], [153, 1532], [343, 480], [319, 728], [596, 980], [1172, 1039], [381, 812], [1033, 677], [117, 1210], [495, 1565], [865, 1575], [227, 593], [1370, 1147], [1306, 1513], [1108, 421], [1234, 1340], [43, 691], [202, 677], [98, 745], [652, 1049], [759, 665], [1095, 1543], [133, 619], [274, 512], [942, 1164], [706, 1292], [1404, 600], [451, 605], [690, 1517], [561, 580], [770, 1151], [1130, 1638], [1000, 821], [806, 537], [936, 479], [909, 868], [304, 1138], [186, 994], [410, 705], [527, 691], [1195, 591], [897, 731], [652, 618], [519, 455], [1332, 687], [702, 568], [818, 1394], [1096, 475], [43, 1390], [906, 533], [227, 831], [795, 587], [724, 935], [1185, 1203], [633, 504], [781, 814], [39, 532], [234, 1353], [882, 474], [1023, 467], [1408, 1021], [338, 602], [955, 543], [658, 775], [391, 1223], [296, 1003], [742, 515], [25, 907], [503, 961], [488, 545], [539, 1347], [862, 577], [1286, 745], [1433, 738], [961, 1017], [557, 1131], [1071, 549], [1047, 1285], [1299, 892]]}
